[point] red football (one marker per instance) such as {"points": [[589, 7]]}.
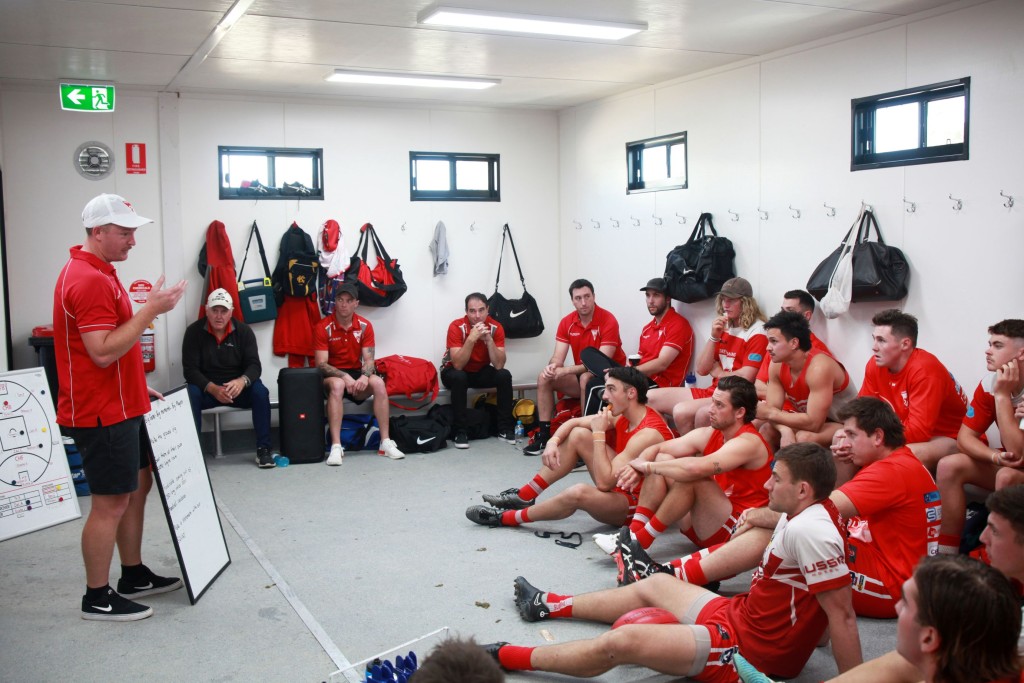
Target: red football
{"points": [[646, 615]]}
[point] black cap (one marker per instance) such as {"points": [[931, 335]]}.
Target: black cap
{"points": [[658, 284], [347, 288]]}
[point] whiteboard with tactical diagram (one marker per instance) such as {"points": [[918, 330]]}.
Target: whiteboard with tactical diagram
{"points": [[36, 490]]}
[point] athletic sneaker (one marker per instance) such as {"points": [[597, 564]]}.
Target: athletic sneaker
{"points": [[606, 542], [461, 440], [147, 584], [112, 607], [389, 448], [507, 500], [265, 459], [483, 515], [507, 435], [337, 455], [745, 670], [636, 563], [492, 649], [530, 601], [536, 445]]}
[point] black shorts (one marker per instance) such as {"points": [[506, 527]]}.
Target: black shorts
{"points": [[112, 456], [354, 373]]}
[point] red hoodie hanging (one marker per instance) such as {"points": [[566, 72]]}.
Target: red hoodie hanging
{"points": [[381, 285]]}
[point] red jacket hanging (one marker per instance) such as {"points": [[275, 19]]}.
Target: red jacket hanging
{"points": [[220, 268]]}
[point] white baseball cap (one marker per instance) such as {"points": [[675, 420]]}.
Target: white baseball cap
{"points": [[111, 208], [220, 297]]}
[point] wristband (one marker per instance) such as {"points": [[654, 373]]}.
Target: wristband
{"points": [[715, 340], [995, 457], [598, 433]]}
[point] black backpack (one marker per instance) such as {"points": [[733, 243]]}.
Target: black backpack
{"points": [[478, 421], [298, 265], [696, 270], [419, 434]]}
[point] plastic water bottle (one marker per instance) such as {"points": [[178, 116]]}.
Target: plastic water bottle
{"points": [[520, 433], [691, 380]]}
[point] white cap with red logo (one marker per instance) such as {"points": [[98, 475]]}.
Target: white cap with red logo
{"points": [[220, 297], [111, 208]]}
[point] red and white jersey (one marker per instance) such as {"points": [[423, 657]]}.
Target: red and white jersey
{"points": [[806, 556], [458, 332], [816, 343], [899, 514], [797, 392], [741, 348], [981, 413], [925, 396], [743, 487], [603, 330], [675, 332], [90, 298], [344, 345], [619, 435]]}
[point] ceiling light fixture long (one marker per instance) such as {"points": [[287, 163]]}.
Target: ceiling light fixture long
{"points": [[528, 23], [416, 80]]}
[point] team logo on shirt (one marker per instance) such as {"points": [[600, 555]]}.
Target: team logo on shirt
{"points": [[594, 332], [358, 334], [906, 399]]}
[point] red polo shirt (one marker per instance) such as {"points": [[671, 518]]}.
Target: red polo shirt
{"points": [[344, 346], [89, 298], [603, 330]]}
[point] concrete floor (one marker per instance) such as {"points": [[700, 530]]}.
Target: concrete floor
{"points": [[374, 553]]}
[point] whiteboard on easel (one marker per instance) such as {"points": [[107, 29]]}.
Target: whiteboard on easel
{"points": [[186, 492], [36, 490]]}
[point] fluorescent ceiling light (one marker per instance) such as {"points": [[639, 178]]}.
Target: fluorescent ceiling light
{"points": [[422, 81], [528, 23]]}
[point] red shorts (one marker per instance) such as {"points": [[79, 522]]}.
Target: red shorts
{"points": [[632, 498], [723, 534], [871, 596], [715, 618], [702, 392]]}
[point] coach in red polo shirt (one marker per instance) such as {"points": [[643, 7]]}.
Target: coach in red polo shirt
{"points": [[102, 398]]}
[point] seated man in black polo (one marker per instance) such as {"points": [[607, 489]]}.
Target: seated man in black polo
{"points": [[475, 357], [221, 363]]}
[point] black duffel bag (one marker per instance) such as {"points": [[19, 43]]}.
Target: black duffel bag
{"points": [[419, 433], [519, 317], [880, 271], [696, 270]]}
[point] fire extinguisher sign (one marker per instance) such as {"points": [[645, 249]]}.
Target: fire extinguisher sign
{"points": [[139, 290], [135, 158]]}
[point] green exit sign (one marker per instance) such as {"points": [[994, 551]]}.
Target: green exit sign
{"points": [[77, 97]]}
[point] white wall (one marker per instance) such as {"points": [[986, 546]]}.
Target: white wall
{"points": [[774, 133], [366, 171]]}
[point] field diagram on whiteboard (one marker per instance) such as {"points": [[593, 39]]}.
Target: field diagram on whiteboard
{"points": [[35, 483]]}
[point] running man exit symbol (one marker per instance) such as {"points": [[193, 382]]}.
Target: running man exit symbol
{"points": [[79, 97]]}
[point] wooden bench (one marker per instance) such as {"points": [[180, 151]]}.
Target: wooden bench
{"points": [[519, 390]]}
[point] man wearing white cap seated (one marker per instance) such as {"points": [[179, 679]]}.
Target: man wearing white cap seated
{"points": [[221, 363], [101, 402]]}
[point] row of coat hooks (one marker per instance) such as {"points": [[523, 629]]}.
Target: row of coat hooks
{"points": [[830, 211]]}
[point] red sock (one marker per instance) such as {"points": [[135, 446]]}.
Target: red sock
{"points": [[641, 516], [533, 489], [647, 534], [949, 544], [515, 658], [559, 605], [515, 517], [691, 570]]}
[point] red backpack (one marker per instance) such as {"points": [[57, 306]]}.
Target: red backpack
{"points": [[412, 378]]}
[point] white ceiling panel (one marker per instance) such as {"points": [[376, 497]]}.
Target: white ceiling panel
{"points": [[21, 62], [288, 46]]}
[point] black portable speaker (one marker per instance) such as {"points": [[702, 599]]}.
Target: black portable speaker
{"points": [[300, 397]]}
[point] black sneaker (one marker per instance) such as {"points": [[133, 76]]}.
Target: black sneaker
{"points": [[507, 435], [492, 649], [536, 446], [636, 564], [529, 601], [461, 440], [112, 607], [507, 500], [483, 515], [148, 584], [265, 459]]}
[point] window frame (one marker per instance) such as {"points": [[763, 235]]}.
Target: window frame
{"points": [[635, 182], [492, 194], [314, 154], [862, 127]]}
